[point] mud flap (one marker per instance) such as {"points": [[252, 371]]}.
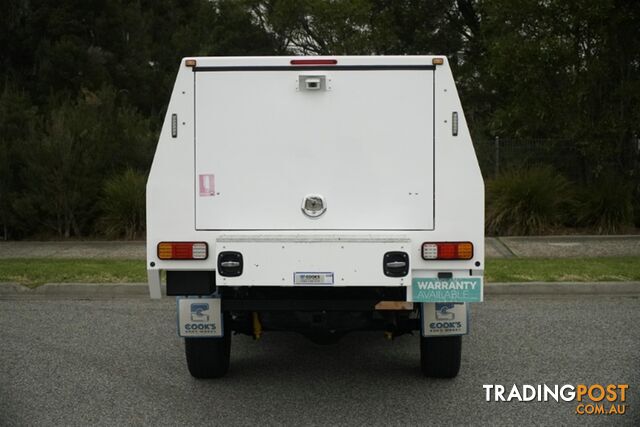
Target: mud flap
{"points": [[200, 318], [442, 319]]}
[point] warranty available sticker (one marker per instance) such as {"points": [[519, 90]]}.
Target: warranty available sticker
{"points": [[455, 289]]}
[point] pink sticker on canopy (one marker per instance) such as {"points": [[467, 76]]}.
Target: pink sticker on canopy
{"points": [[207, 188]]}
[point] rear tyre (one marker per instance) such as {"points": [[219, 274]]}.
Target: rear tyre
{"points": [[440, 356], [208, 357]]}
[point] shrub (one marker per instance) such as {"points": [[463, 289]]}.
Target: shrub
{"points": [[123, 205], [607, 205], [527, 201], [74, 146]]}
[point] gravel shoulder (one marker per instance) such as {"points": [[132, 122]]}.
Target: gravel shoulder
{"points": [[99, 291], [495, 247]]}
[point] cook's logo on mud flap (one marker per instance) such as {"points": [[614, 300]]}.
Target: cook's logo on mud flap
{"points": [[443, 313], [199, 317], [198, 312], [442, 319]]}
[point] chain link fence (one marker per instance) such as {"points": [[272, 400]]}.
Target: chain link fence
{"points": [[571, 158]]}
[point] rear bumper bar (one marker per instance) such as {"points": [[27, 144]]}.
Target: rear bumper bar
{"points": [[301, 305]]}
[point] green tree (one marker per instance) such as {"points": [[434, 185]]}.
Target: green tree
{"points": [[359, 27], [565, 70], [18, 124], [84, 140]]}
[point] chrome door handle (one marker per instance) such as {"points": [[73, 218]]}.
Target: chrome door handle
{"points": [[230, 264], [396, 264]]}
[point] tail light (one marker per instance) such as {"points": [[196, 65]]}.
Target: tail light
{"points": [[182, 250], [447, 250]]}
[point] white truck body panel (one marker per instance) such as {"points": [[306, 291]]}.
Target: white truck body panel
{"points": [[275, 259], [267, 144], [379, 136]]}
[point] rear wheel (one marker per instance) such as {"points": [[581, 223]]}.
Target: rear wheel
{"points": [[208, 357], [440, 356]]}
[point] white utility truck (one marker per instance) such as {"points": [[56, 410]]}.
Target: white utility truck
{"points": [[321, 195]]}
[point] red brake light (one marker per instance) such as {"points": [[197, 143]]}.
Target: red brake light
{"points": [[314, 61], [447, 250], [182, 250]]}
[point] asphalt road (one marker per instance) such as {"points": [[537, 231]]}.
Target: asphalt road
{"points": [[115, 362]]}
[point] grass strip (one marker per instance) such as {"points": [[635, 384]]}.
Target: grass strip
{"points": [[35, 272], [610, 269]]}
